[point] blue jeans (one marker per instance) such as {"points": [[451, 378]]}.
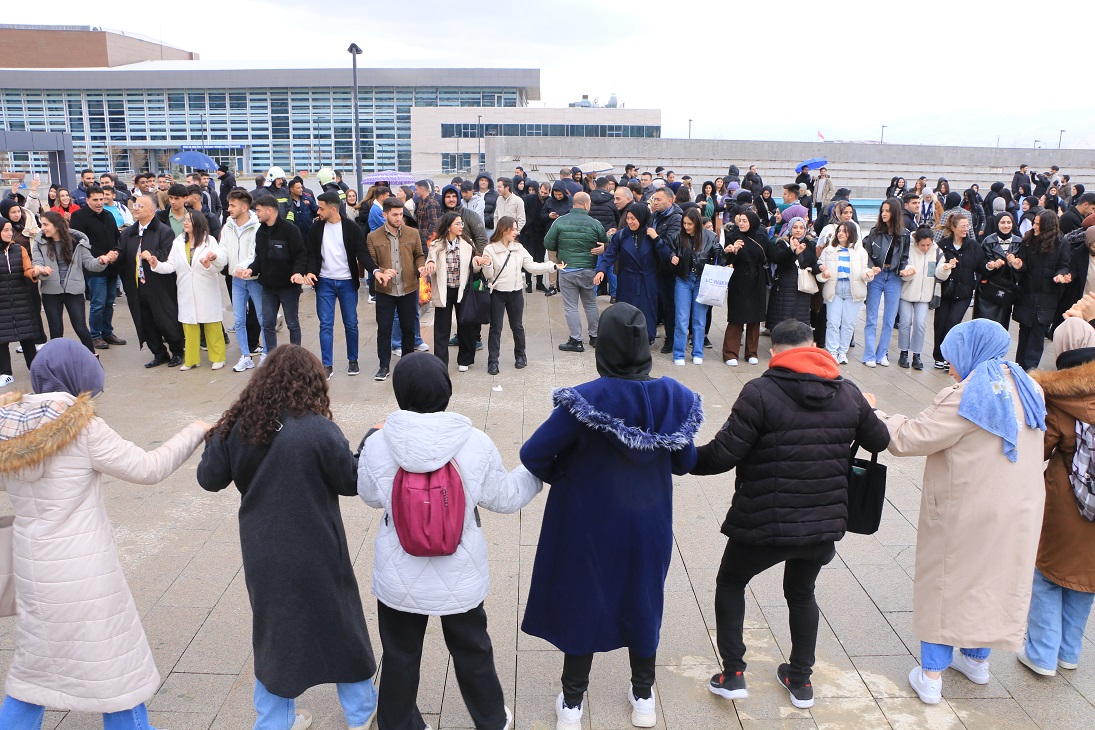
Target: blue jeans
{"points": [[1055, 624], [327, 291], [18, 715], [937, 657], [840, 317], [688, 312], [396, 336], [358, 700], [242, 290], [103, 289], [887, 284], [611, 276]]}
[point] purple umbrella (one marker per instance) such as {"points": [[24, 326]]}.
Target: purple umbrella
{"points": [[389, 178]]}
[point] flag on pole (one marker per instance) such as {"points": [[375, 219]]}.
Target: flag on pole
{"points": [[820, 135]]}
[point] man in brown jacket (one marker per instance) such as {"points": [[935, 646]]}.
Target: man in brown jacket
{"points": [[397, 251]]}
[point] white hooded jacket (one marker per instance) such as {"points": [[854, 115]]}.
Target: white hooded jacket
{"points": [[424, 442], [239, 242]]}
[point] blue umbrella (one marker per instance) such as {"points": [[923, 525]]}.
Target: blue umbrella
{"points": [[390, 177], [813, 163], [195, 159]]}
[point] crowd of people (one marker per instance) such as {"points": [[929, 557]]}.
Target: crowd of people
{"points": [[609, 445]]}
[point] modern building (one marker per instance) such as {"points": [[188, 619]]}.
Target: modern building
{"points": [[37, 46], [252, 116]]}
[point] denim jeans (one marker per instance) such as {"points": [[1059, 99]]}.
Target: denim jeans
{"points": [[327, 291], [937, 657], [358, 700], [18, 715], [288, 299], [841, 314], [691, 317], [611, 276], [242, 290], [1055, 624], [396, 342], [914, 323], [887, 285], [103, 289]]}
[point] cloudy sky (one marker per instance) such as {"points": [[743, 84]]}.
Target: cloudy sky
{"points": [[966, 73]]}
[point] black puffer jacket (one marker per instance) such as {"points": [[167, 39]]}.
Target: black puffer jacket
{"points": [[965, 276], [603, 208], [20, 306], [490, 200], [789, 440], [1039, 295]]}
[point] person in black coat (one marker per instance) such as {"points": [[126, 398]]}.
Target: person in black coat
{"points": [[101, 229], [1073, 218], [602, 208], [962, 255], [1042, 277], [532, 235], [20, 303], [797, 251], [665, 219], [152, 297], [746, 249], [788, 438], [999, 276], [227, 182], [1081, 261], [291, 463], [281, 261]]}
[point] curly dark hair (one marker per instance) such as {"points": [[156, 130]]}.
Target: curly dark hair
{"points": [[292, 379]]}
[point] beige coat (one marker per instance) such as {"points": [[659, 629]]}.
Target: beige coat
{"points": [[859, 276], [511, 276], [200, 288], [980, 517], [78, 640], [438, 287]]}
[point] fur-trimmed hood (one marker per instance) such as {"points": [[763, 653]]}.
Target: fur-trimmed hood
{"points": [[35, 427], [642, 416], [1072, 390]]}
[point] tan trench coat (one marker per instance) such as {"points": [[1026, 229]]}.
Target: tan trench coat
{"points": [[980, 518]]}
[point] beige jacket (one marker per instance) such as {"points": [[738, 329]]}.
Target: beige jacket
{"points": [[920, 286], [511, 277], [514, 207], [980, 518], [860, 273], [78, 639], [439, 290]]}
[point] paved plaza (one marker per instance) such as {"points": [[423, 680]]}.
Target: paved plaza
{"points": [[180, 550]]}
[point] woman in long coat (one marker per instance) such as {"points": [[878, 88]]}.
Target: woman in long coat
{"points": [[20, 305], [78, 640], [797, 251], [291, 463], [610, 450], [637, 279], [747, 295], [978, 532]]}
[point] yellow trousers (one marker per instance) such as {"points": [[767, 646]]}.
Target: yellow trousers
{"points": [[214, 340]]}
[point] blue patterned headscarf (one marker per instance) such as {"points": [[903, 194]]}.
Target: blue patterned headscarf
{"points": [[977, 349]]}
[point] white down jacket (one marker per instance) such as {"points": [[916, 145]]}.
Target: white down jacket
{"points": [[424, 442]]}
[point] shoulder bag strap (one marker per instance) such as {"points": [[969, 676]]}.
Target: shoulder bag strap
{"points": [[508, 254]]}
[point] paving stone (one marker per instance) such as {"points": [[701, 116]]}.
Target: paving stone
{"points": [[912, 714], [988, 714]]}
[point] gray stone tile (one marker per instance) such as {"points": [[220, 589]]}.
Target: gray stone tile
{"points": [[912, 714], [989, 714], [192, 693]]}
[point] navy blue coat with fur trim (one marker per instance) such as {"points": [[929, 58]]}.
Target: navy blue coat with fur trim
{"points": [[609, 450]]}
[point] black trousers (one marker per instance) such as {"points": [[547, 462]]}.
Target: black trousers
{"points": [[576, 676], [947, 317], [536, 248], [1032, 340], [386, 307], [740, 563], [56, 305], [466, 334], [509, 304], [472, 660], [667, 308], [151, 333], [29, 350], [254, 329]]}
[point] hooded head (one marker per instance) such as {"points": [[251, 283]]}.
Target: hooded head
{"points": [[953, 200], [66, 366], [623, 344], [1073, 343], [483, 176], [421, 383], [451, 189], [996, 187]]}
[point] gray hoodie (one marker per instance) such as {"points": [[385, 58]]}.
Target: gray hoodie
{"points": [[66, 278]]}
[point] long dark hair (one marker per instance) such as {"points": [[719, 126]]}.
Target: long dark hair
{"points": [[1049, 229], [292, 379], [443, 225], [200, 228], [696, 239], [505, 223], [896, 224], [64, 236]]}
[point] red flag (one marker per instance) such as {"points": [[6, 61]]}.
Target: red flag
{"points": [[820, 135]]}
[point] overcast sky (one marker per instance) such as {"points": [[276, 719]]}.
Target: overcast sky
{"points": [[957, 72]]}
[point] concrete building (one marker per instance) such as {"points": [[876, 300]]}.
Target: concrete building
{"points": [[36, 46]]}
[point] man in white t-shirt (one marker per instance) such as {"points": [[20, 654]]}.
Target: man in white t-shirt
{"points": [[336, 259]]}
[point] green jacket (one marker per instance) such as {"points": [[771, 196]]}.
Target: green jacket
{"points": [[572, 236]]}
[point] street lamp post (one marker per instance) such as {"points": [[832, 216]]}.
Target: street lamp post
{"points": [[689, 129], [479, 136], [882, 139], [1061, 137], [355, 50]]}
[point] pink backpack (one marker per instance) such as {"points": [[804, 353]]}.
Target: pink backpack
{"points": [[428, 510]]}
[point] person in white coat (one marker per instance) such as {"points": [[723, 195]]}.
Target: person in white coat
{"points": [[79, 645], [421, 438], [845, 271], [196, 260]]}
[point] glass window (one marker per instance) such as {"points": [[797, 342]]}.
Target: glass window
{"points": [[448, 131]]}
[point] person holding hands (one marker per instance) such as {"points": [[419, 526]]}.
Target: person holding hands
{"points": [[398, 257]]}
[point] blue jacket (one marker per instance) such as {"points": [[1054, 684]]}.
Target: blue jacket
{"points": [[637, 279], [610, 450]]}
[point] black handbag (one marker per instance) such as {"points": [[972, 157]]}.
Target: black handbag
{"points": [[866, 493], [475, 306]]}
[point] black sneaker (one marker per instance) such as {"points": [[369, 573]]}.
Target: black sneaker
{"points": [[917, 363], [707, 344], [572, 345], [802, 695], [492, 368], [903, 360], [381, 374], [550, 291], [667, 347], [730, 686], [478, 345], [941, 365], [612, 300], [330, 372], [454, 341], [353, 369], [592, 341], [521, 363]]}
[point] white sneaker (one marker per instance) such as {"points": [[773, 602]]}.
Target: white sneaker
{"points": [[230, 328], [245, 363], [975, 671], [19, 349], [697, 361], [509, 719], [372, 299], [732, 363], [753, 361], [262, 360], [1026, 662], [1067, 665], [885, 361], [6, 380], [422, 347], [567, 718], [869, 363], [842, 360], [217, 365], [184, 368], [398, 351], [929, 690], [462, 368], [679, 362], [303, 721], [642, 711]]}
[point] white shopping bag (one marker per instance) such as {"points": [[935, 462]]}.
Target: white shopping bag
{"points": [[713, 284]]}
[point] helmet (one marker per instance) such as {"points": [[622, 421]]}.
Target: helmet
{"points": [[325, 175], [273, 174]]}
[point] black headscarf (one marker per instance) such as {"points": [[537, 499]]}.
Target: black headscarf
{"points": [[623, 344], [953, 200], [421, 383], [66, 366], [996, 225], [641, 211]]}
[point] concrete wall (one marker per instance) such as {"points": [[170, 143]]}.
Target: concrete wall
{"points": [[25, 48], [865, 168]]}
